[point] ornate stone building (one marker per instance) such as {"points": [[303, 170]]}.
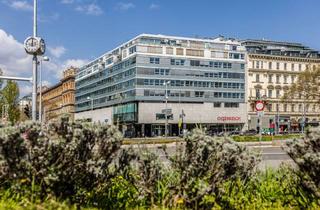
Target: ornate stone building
{"points": [[272, 68], [60, 98]]}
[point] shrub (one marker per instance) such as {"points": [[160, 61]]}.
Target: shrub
{"points": [[203, 165], [306, 154], [270, 189], [64, 159]]}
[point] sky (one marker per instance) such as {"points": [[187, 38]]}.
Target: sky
{"points": [[77, 31]]}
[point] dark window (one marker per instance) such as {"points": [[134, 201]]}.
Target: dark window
{"points": [[217, 104], [155, 60], [132, 49], [194, 63], [199, 93], [177, 62], [231, 105]]}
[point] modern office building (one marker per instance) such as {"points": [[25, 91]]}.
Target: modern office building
{"points": [[272, 68], [204, 80], [59, 99]]}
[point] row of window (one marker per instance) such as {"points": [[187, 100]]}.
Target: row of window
{"points": [[181, 62], [270, 78], [276, 65], [108, 80], [187, 83], [197, 94], [103, 100], [109, 89]]}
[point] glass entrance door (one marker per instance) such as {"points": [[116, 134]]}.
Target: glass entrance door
{"points": [[158, 130]]}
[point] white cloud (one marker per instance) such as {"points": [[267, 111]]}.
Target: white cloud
{"points": [[67, 1], [20, 5], [13, 58], [14, 61], [57, 51], [25, 88], [90, 9], [154, 6], [125, 6]]}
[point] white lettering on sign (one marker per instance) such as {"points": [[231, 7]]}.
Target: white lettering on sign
{"points": [[225, 118]]}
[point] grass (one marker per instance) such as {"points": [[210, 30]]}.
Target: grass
{"points": [[151, 141], [235, 138], [265, 138]]}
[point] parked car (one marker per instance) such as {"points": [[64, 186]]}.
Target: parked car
{"points": [[250, 132], [235, 132]]}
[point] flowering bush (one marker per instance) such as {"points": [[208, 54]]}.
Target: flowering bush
{"points": [[64, 158], [306, 154]]}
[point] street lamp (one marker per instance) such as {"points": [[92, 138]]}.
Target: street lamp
{"points": [[166, 112], [278, 114], [44, 58], [89, 98]]}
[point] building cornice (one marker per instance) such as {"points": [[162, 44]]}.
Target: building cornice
{"points": [[283, 58], [273, 71]]}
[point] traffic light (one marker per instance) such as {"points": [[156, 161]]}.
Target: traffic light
{"points": [[27, 111]]}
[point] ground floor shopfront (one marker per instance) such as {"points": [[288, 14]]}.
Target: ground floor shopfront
{"points": [[153, 130], [141, 119], [283, 122]]}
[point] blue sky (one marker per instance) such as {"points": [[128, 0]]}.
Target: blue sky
{"points": [[79, 30]]}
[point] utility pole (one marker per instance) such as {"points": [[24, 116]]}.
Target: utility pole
{"points": [[45, 58], [34, 46], [35, 66], [166, 112]]}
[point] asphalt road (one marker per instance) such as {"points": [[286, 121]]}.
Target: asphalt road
{"points": [[272, 156]]}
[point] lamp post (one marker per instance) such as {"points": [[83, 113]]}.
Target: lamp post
{"points": [[89, 98], [166, 112], [278, 114], [44, 58], [304, 116], [34, 46]]}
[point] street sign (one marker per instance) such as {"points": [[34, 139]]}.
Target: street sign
{"points": [[259, 106], [161, 116]]}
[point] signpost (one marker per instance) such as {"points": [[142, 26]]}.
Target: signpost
{"points": [[259, 108]]}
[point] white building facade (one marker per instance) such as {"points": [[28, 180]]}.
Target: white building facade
{"points": [[205, 85], [272, 68]]}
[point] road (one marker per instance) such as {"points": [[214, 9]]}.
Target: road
{"points": [[272, 156]]}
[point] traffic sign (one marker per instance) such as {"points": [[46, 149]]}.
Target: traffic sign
{"points": [[259, 106]]}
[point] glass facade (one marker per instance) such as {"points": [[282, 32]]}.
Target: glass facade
{"points": [[197, 71]]}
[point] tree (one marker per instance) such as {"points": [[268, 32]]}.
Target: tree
{"points": [[10, 95], [1, 73], [1, 96], [307, 85]]}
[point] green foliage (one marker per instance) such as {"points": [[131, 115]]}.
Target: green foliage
{"points": [[71, 165], [306, 86], [306, 154], [10, 96], [264, 138], [64, 159], [267, 190], [203, 164]]}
